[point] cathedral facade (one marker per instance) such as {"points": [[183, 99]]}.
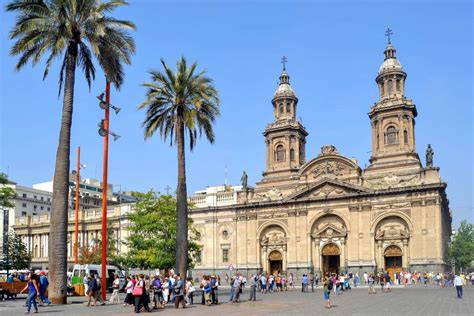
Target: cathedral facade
{"points": [[327, 214]]}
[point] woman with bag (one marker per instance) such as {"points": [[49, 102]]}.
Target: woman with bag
{"points": [[139, 293], [115, 286], [165, 287]]}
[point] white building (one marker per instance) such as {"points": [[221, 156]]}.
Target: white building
{"points": [[212, 196]]}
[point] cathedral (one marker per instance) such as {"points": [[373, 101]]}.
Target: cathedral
{"points": [[327, 214]]}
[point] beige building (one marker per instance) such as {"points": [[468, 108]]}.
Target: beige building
{"points": [[34, 232], [327, 213]]}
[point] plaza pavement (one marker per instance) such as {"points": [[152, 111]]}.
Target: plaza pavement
{"points": [[413, 300]]}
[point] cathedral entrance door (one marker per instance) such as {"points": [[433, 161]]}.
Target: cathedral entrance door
{"points": [[393, 260], [275, 260], [331, 258]]}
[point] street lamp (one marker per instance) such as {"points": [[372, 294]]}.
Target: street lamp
{"points": [[103, 105], [78, 177], [104, 131]]}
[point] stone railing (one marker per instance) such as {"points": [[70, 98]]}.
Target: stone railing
{"points": [[214, 199]]}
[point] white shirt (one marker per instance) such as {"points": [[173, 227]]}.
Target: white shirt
{"points": [[458, 281], [129, 287]]}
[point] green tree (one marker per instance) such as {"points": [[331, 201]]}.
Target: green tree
{"points": [[14, 254], [6, 193], [92, 254], [152, 240], [461, 249], [180, 103], [77, 31]]}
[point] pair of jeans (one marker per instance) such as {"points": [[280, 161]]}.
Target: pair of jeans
{"points": [[232, 290], [31, 300], [459, 290], [44, 298]]}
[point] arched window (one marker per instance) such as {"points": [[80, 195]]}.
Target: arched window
{"points": [[391, 135], [405, 136], [390, 86], [281, 108], [280, 153], [288, 108], [292, 154], [382, 90], [398, 85]]}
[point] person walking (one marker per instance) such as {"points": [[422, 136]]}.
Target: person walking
{"points": [[311, 281], [86, 285], [206, 289], [129, 300], [371, 281], [92, 291], [115, 294], [253, 288], [179, 292], [214, 292], [381, 280], [327, 286], [43, 286], [98, 292], [237, 288], [189, 291], [458, 283], [157, 292], [139, 293], [165, 286], [33, 289]]}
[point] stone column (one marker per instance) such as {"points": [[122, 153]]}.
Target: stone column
{"points": [[378, 255], [284, 259], [405, 254], [317, 255]]}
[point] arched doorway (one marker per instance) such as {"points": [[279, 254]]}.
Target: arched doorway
{"points": [[275, 262], [331, 258], [393, 260]]}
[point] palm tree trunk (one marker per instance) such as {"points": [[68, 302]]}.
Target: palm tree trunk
{"points": [[181, 203], [59, 214]]}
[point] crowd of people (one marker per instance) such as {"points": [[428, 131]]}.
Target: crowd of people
{"points": [[142, 291]]}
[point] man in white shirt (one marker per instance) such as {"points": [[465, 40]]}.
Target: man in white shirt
{"points": [[458, 283]]}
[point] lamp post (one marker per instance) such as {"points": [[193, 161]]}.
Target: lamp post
{"points": [[77, 173], [78, 176], [104, 132]]}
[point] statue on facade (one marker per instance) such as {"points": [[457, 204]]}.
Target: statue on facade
{"points": [[429, 156], [243, 180]]}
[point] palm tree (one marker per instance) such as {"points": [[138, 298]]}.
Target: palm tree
{"points": [[76, 31], [177, 104]]}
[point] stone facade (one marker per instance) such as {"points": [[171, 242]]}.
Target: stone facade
{"points": [[34, 232], [329, 214]]}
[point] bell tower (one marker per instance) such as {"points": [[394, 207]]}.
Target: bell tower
{"points": [[392, 117], [285, 137]]}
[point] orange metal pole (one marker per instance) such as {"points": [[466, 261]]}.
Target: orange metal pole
{"points": [[78, 177], [104, 191]]}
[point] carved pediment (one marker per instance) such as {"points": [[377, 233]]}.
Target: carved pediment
{"points": [[327, 188], [329, 164], [329, 230]]}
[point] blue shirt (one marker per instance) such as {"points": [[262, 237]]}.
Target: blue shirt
{"points": [[305, 280]]}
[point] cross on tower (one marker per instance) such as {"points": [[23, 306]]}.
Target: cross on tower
{"points": [[284, 60], [168, 188], [388, 32]]}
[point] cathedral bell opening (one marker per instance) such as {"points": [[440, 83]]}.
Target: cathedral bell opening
{"points": [[331, 259]]}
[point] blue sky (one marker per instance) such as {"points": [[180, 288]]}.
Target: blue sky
{"points": [[334, 51]]}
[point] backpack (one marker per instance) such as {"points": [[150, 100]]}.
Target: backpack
{"points": [[330, 285]]}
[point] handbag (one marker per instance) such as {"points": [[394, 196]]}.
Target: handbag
{"points": [[192, 289], [137, 291]]}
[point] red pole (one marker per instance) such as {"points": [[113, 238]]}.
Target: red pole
{"points": [[78, 177], [104, 191]]}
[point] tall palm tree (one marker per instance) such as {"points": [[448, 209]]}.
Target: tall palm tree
{"points": [[177, 104], [78, 31]]}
